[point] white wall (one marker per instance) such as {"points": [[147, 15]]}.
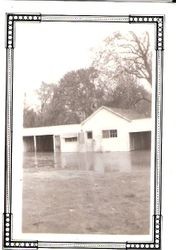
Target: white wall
{"points": [[104, 120], [101, 120], [52, 130], [60, 130], [69, 146], [140, 125]]}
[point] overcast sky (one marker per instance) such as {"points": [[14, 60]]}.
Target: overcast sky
{"points": [[46, 51]]}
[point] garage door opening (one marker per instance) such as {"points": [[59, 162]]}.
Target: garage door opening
{"points": [[44, 143], [28, 143], [140, 140]]}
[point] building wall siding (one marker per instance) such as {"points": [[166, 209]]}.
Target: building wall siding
{"points": [[69, 146], [99, 121], [105, 120]]}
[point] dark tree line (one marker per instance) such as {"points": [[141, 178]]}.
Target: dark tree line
{"points": [[112, 80]]}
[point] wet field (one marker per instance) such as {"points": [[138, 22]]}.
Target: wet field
{"points": [[89, 193]]}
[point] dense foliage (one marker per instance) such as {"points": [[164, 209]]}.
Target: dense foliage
{"points": [[112, 80]]}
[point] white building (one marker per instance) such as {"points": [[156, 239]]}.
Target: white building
{"points": [[107, 129]]}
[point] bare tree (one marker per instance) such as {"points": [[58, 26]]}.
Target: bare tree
{"points": [[113, 80], [124, 55], [45, 94], [137, 55]]}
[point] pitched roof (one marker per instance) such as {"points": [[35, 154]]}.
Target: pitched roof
{"points": [[126, 114]]}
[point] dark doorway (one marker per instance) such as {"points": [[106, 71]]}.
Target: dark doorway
{"points": [[140, 140], [44, 143], [28, 142]]}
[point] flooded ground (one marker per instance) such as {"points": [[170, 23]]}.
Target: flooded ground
{"points": [[101, 193]]}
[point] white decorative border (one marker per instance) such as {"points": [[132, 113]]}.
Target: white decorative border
{"points": [[10, 243]]}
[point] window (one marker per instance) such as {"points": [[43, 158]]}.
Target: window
{"points": [[89, 135], [109, 133], [113, 133], [105, 133], [71, 139]]}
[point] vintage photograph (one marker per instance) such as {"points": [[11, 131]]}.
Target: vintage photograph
{"points": [[87, 128]]}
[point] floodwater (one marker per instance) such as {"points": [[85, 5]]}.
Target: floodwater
{"points": [[89, 161], [87, 193]]}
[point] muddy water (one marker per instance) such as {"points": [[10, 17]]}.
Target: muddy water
{"points": [[90, 161], [107, 193]]}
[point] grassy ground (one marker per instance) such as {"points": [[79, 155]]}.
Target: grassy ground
{"points": [[62, 201]]}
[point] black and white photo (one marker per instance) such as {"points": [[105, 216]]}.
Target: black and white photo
{"points": [[86, 118]]}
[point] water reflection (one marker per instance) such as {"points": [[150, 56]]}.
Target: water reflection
{"points": [[90, 161]]}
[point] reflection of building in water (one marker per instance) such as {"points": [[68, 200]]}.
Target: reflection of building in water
{"points": [[106, 130]]}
